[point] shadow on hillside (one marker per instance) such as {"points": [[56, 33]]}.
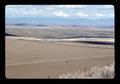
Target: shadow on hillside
{"points": [[97, 42], [7, 34]]}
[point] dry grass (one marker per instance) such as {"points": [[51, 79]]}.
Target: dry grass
{"points": [[105, 72]]}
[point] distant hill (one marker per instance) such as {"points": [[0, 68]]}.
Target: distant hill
{"points": [[60, 21]]}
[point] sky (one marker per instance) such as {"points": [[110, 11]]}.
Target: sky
{"points": [[62, 11], [92, 15]]}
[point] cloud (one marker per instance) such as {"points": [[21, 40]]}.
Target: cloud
{"points": [[69, 11], [22, 10], [60, 13], [82, 15], [99, 15], [107, 6], [35, 12], [72, 6], [111, 15], [32, 12], [25, 13]]}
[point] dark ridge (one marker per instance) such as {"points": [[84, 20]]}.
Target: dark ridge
{"points": [[6, 34], [41, 25], [49, 37], [21, 24], [95, 42]]}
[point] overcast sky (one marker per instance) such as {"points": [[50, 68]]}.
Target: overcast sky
{"points": [[66, 11]]}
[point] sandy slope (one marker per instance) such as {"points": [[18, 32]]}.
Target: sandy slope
{"points": [[27, 59]]}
